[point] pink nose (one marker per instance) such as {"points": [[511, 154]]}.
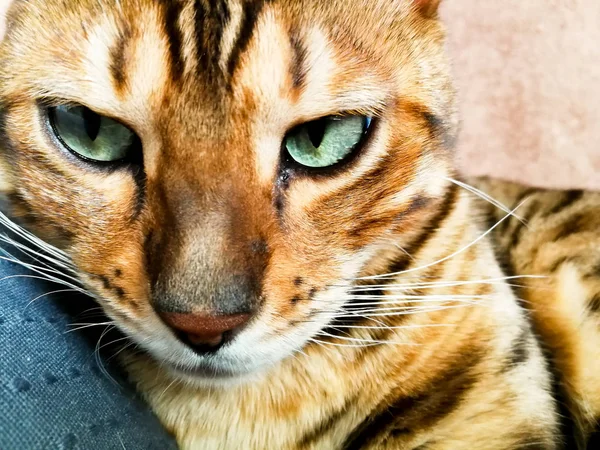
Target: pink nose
{"points": [[204, 330]]}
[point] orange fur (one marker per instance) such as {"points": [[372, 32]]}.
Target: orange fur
{"points": [[380, 318]]}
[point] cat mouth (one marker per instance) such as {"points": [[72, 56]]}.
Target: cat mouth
{"points": [[211, 367], [205, 372]]}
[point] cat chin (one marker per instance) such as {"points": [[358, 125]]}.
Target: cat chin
{"points": [[201, 378]]}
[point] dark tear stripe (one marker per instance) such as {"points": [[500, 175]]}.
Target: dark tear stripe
{"points": [[118, 62], [172, 11], [299, 55], [140, 180], [570, 198], [438, 398], [250, 14], [311, 438]]}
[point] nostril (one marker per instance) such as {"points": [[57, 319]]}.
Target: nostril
{"points": [[204, 332]]}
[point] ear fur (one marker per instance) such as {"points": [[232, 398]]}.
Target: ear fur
{"points": [[4, 6], [428, 8]]}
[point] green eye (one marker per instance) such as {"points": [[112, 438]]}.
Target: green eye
{"points": [[91, 135], [324, 142]]}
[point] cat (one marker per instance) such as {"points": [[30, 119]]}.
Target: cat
{"points": [[261, 194]]}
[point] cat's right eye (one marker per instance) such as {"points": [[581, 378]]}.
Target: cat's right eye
{"points": [[91, 136]]}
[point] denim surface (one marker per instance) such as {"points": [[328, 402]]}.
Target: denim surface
{"points": [[53, 394]]}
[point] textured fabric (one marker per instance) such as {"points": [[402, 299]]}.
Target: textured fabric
{"points": [[53, 394]]}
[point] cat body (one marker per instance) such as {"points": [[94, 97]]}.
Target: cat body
{"points": [[261, 194]]}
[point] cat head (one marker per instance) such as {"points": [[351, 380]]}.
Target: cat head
{"points": [[222, 173]]}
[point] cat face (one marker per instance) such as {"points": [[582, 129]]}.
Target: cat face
{"points": [[222, 173]]}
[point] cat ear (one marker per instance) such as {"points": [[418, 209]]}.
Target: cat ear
{"points": [[4, 5], [428, 8]]}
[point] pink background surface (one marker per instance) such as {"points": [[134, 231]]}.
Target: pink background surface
{"points": [[528, 74]]}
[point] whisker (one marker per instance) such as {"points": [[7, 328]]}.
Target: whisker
{"points": [[443, 283], [60, 291], [99, 359], [40, 271], [446, 258], [88, 325], [486, 197], [362, 345], [396, 327], [20, 231], [378, 313], [175, 380]]}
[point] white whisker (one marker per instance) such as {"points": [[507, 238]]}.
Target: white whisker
{"points": [[486, 197], [60, 291], [446, 258]]}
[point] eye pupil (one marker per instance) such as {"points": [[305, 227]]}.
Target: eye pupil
{"points": [[316, 132], [91, 122]]}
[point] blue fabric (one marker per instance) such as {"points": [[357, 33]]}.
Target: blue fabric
{"points": [[53, 394]]}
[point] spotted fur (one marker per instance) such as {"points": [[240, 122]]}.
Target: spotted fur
{"points": [[381, 318]]}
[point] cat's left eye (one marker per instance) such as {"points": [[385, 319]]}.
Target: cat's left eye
{"points": [[91, 136], [327, 141]]}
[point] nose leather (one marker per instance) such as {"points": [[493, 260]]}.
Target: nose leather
{"points": [[204, 328]]}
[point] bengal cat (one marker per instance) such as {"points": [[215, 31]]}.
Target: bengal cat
{"points": [[261, 195]]}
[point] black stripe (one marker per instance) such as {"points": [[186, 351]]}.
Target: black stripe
{"points": [[118, 61], [427, 232], [568, 430], [200, 18], [594, 439], [401, 416], [403, 261], [223, 17], [520, 225], [172, 11], [299, 54], [576, 223], [503, 227], [209, 25], [440, 129], [569, 198], [594, 304], [250, 14], [309, 439], [519, 352]]}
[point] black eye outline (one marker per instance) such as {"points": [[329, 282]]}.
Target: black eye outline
{"points": [[288, 164], [134, 153]]}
